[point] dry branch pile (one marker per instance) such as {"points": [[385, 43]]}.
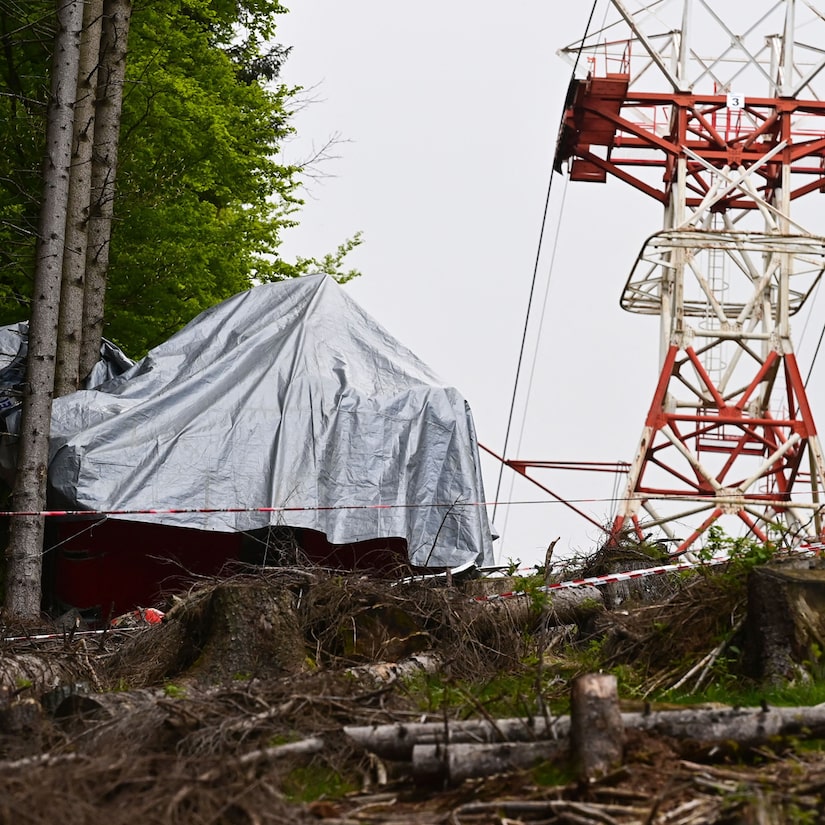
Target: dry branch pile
{"points": [[666, 640]]}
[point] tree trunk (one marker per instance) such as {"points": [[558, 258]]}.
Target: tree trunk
{"points": [[29, 493], [70, 332], [111, 74]]}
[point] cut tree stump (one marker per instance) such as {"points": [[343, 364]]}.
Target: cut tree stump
{"points": [[249, 630], [239, 628], [596, 726], [785, 628]]}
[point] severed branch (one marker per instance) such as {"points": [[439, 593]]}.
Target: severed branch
{"points": [[303, 747], [706, 663]]}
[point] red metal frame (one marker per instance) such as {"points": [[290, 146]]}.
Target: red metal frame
{"points": [[727, 429], [521, 467], [608, 130], [632, 135]]}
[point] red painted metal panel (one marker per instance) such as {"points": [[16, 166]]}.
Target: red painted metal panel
{"points": [[108, 568]]}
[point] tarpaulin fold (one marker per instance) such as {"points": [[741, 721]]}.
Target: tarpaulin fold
{"points": [[287, 395]]}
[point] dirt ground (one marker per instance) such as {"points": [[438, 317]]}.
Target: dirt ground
{"points": [[232, 710]]}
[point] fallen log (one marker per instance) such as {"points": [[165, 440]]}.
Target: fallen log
{"points": [[303, 747], [574, 606], [44, 671], [456, 762], [595, 745], [747, 726], [389, 672], [40, 760], [566, 810], [396, 741]]}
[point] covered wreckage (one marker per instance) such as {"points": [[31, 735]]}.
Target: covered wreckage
{"points": [[286, 406]]}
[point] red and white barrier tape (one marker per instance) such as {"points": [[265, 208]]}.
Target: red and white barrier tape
{"points": [[630, 575]]}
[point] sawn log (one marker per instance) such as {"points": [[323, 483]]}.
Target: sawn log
{"points": [[746, 726]]}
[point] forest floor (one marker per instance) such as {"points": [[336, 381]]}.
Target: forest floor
{"points": [[234, 709]]}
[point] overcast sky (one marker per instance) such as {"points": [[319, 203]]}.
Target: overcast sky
{"points": [[447, 115]]}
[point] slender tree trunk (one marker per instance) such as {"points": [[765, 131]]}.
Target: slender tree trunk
{"points": [[116, 18], [29, 493], [69, 336]]}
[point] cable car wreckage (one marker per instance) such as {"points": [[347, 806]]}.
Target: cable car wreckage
{"points": [[283, 421]]}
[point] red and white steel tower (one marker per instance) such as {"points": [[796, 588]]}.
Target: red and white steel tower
{"points": [[712, 110]]}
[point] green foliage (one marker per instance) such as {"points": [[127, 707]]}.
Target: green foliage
{"points": [[551, 774], [432, 693], [588, 657], [202, 200], [796, 815], [512, 566], [330, 264], [735, 691], [282, 739], [508, 693], [173, 691], [536, 591], [744, 552]]}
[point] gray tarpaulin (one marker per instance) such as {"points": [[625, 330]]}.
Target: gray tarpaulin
{"points": [[288, 395], [14, 340]]}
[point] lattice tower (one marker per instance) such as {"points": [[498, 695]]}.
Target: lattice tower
{"points": [[715, 115]]}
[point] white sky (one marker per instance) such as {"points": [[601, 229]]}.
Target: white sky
{"points": [[450, 112]]}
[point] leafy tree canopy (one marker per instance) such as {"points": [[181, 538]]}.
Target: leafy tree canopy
{"points": [[201, 197]]}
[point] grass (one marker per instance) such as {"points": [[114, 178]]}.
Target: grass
{"points": [[173, 691], [312, 782], [507, 693], [550, 774], [741, 693]]}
